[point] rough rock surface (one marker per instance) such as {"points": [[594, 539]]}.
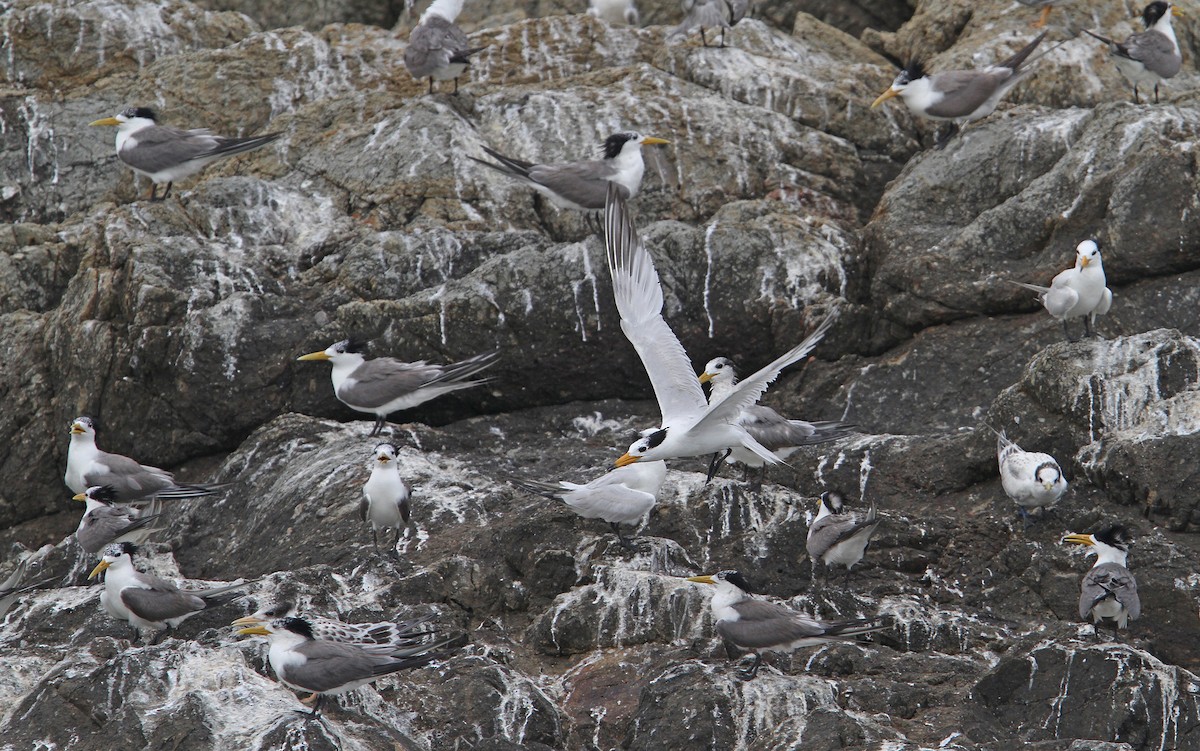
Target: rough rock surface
{"points": [[177, 324]]}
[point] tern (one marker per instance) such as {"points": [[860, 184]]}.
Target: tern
{"points": [[1078, 292], [710, 14], [614, 11], [437, 48], [17, 582], [385, 496], [838, 536], [690, 425], [130, 482], [582, 185], [150, 602], [384, 637], [385, 385], [622, 496], [1032, 479], [1151, 56], [303, 662], [106, 522], [758, 625], [959, 96], [1109, 591], [769, 428], [166, 154]]}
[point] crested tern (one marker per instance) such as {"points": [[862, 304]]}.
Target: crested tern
{"points": [[303, 662], [437, 48], [622, 496], [690, 425], [385, 496], [17, 582], [614, 11], [1108, 593], [1077, 292], [1151, 56], [130, 482], [959, 96], [385, 385], [838, 536], [147, 601], [1032, 479], [582, 185], [771, 429], [710, 14], [383, 637], [758, 625], [166, 154], [106, 522]]}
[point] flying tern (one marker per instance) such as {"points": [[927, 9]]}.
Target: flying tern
{"points": [[385, 496], [104, 521], [1078, 292], [614, 11], [710, 14], [582, 185], [166, 154], [691, 426], [1032, 479], [838, 536], [437, 48], [147, 601], [130, 482], [959, 96], [303, 662], [758, 625], [768, 427], [1151, 56], [385, 385], [384, 637], [622, 496], [1109, 591]]}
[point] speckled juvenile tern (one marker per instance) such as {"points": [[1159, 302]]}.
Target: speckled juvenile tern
{"points": [[959, 96], [838, 536], [106, 522], [1109, 591], [622, 496], [1032, 479], [383, 637], [690, 425], [582, 185], [147, 601], [385, 385], [710, 14], [758, 625], [437, 48], [166, 154], [1151, 56], [614, 11], [1077, 292], [771, 429], [129, 481], [385, 496], [303, 662]]}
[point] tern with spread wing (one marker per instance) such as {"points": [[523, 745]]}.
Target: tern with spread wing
{"points": [[104, 521], [690, 425], [383, 637], [1151, 56], [1109, 591], [838, 536], [437, 48]]}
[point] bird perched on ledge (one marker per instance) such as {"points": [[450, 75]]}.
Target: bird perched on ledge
{"points": [[437, 47], [1078, 292], [1108, 593], [1151, 56]]}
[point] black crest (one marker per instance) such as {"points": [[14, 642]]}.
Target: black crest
{"points": [[145, 112], [356, 346], [104, 494], [614, 143], [655, 438], [85, 421], [118, 549], [1117, 536], [736, 579], [833, 502], [1154, 12], [297, 626], [913, 70]]}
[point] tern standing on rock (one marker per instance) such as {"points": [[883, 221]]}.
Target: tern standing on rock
{"points": [[710, 14], [1078, 292], [1032, 479], [385, 496], [839, 536], [1109, 591], [106, 522], [1149, 57], [437, 48]]}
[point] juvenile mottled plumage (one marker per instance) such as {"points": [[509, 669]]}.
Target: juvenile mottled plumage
{"points": [[1108, 593], [383, 637], [838, 536], [1032, 479], [1151, 56]]}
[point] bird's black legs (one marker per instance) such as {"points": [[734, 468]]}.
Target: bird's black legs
{"points": [[374, 537], [1067, 331], [160, 635], [751, 671], [703, 40], [722, 37], [625, 543], [1156, 93], [431, 85], [714, 466], [1087, 327], [1136, 98], [1026, 517], [944, 138], [380, 423], [456, 85], [316, 710]]}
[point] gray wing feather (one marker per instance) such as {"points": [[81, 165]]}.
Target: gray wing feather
{"points": [[161, 602], [775, 431], [160, 147], [433, 45], [833, 529], [964, 91], [104, 525], [1153, 50], [332, 664], [383, 379], [126, 477], [1109, 579]]}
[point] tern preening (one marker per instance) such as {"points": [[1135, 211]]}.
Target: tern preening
{"points": [[771, 429], [1078, 292], [691, 426], [383, 637], [622, 496], [385, 385], [437, 48], [710, 14], [760, 626], [838, 536], [582, 185], [1032, 479], [385, 496], [303, 662], [1109, 591], [959, 96], [105, 522], [130, 482], [1148, 57], [166, 154]]}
